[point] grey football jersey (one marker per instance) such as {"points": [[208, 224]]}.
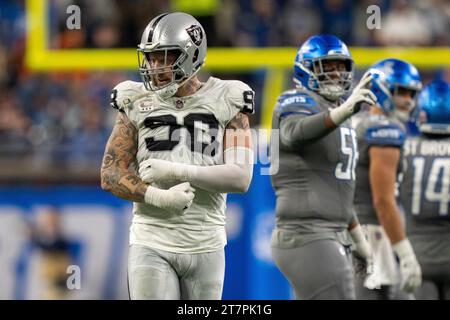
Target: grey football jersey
{"points": [[425, 195], [373, 130], [315, 181], [186, 130]]}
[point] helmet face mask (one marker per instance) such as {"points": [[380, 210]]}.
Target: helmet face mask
{"points": [[404, 99], [172, 50], [160, 67], [323, 64], [332, 76], [400, 90]]}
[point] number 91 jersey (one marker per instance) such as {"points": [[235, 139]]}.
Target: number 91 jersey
{"points": [[187, 130]]}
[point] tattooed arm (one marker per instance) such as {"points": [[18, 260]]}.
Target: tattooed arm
{"points": [[238, 133], [234, 175], [119, 177]]}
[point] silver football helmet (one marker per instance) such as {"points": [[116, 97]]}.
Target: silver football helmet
{"points": [[172, 50]]}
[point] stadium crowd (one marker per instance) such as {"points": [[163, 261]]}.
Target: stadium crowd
{"points": [[63, 118]]}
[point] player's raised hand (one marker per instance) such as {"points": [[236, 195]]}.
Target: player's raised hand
{"points": [[362, 94], [156, 170], [364, 82], [353, 104]]}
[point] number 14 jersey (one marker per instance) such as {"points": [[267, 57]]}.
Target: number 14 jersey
{"points": [[425, 195], [425, 187]]}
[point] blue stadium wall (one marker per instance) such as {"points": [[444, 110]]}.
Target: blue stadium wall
{"points": [[96, 225]]}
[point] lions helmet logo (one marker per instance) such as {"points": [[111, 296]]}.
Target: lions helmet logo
{"points": [[388, 68], [196, 34]]}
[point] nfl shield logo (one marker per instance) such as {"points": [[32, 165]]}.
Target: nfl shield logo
{"points": [[179, 104]]}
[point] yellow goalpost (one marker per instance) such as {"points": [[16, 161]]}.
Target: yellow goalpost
{"points": [[275, 60]]}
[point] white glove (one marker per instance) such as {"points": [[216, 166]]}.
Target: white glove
{"points": [[353, 104], [409, 266], [176, 199], [362, 252], [156, 170]]}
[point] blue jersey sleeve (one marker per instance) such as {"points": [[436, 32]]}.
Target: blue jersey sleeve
{"points": [[385, 135], [296, 104]]}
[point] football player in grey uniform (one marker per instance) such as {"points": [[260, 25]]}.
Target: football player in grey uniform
{"points": [[425, 191], [314, 184], [181, 134], [381, 135]]}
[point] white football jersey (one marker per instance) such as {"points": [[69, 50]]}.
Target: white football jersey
{"points": [[186, 130]]}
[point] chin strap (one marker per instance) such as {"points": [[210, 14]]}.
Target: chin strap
{"points": [[332, 92], [172, 88], [168, 91]]}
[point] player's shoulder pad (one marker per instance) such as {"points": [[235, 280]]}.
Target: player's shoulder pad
{"points": [[241, 95], [296, 102], [385, 132], [123, 94]]}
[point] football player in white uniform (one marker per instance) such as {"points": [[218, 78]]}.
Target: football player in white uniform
{"points": [[182, 134]]}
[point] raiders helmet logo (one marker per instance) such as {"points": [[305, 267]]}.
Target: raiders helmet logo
{"points": [[196, 34]]}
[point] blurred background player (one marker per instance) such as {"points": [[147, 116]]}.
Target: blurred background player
{"points": [[48, 237], [381, 135], [174, 127], [425, 191], [315, 182]]}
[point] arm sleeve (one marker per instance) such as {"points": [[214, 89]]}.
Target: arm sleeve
{"points": [[296, 130], [234, 176]]}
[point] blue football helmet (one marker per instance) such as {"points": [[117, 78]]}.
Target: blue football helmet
{"points": [[310, 70], [434, 100], [388, 76]]}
